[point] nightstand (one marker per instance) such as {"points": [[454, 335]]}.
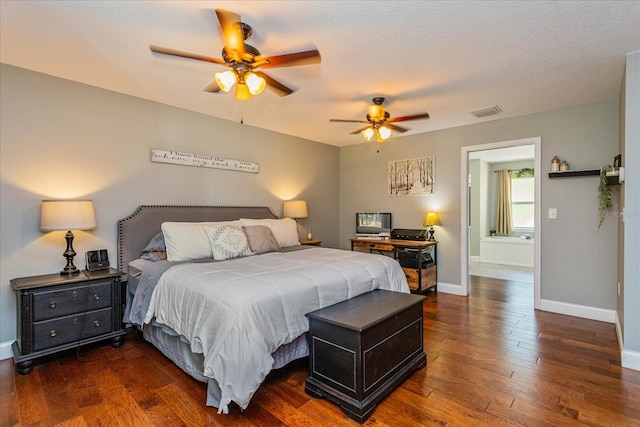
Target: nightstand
{"points": [[58, 312], [311, 242]]}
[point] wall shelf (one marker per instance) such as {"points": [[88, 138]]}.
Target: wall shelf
{"points": [[613, 180], [577, 172]]}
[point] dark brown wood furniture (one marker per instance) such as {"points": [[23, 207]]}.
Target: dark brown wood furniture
{"points": [[362, 348], [58, 312], [418, 258]]}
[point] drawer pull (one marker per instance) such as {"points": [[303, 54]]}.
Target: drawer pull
{"points": [[75, 321], [52, 333], [75, 294], [96, 297], [96, 323], [53, 304]]}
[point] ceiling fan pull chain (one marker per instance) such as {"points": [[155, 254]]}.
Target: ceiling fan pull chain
{"points": [[241, 114]]}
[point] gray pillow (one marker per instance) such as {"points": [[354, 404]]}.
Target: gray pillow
{"points": [[156, 244], [261, 239]]}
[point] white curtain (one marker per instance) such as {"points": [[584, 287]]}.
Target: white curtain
{"points": [[504, 218]]}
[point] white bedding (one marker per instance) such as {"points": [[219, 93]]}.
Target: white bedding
{"points": [[238, 312]]}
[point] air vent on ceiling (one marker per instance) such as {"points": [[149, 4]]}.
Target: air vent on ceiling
{"points": [[486, 111]]}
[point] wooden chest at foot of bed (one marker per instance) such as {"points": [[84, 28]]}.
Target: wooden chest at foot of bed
{"points": [[362, 348]]}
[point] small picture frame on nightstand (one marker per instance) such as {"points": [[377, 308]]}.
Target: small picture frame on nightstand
{"points": [[97, 260]]}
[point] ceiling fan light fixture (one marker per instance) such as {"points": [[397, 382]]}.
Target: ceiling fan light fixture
{"points": [[384, 132], [226, 80], [242, 92], [368, 133], [255, 83], [376, 112]]}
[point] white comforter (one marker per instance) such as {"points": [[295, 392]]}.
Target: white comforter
{"points": [[238, 312]]}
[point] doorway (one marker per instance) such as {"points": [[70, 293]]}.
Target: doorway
{"points": [[471, 226]]}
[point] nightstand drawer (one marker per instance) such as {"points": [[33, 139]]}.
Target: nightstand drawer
{"points": [[52, 333], [57, 303]]}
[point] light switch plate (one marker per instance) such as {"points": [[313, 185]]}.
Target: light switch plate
{"points": [[553, 213]]}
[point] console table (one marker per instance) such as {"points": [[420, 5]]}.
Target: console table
{"points": [[418, 259]]}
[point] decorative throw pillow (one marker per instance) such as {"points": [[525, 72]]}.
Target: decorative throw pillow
{"points": [[228, 241], [285, 230], [261, 239], [156, 244], [189, 240]]}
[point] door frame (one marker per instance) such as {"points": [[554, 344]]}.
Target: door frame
{"points": [[464, 210]]}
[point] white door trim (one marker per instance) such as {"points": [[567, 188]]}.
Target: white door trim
{"points": [[464, 212]]}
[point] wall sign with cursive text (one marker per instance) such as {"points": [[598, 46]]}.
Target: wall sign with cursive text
{"points": [[188, 159]]}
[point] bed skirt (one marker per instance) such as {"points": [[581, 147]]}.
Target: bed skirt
{"points": [[178, 350]]}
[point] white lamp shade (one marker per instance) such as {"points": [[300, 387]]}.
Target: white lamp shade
{"points": [[384, 132], [67, 215], [226, 80], [295, 209], [255, 83]]}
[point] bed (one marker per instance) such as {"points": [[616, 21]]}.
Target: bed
{"points": [[226, 300]]}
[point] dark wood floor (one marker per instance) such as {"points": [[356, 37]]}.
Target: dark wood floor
{"points": [[492, 360]]}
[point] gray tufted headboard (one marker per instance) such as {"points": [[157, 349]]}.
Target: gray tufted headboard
{"points": [[136, 230]]}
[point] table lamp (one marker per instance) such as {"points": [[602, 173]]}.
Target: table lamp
{"points": [[295, 209], [57, 215], [430, 220]]}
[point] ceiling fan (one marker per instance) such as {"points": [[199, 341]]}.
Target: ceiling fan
{"points": [[380, 123], [243, 60]]}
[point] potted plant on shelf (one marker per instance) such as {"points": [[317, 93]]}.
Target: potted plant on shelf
{"points": [[604, 195]]}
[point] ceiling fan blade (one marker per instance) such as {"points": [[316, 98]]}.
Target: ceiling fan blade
{"points": [[274, 85], [306, 57], [230, 25], [174, 52], [396, 128], [212, 87], [359, 130], [348, 121], [420, 116]]}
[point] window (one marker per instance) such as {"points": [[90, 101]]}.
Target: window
{"points": [[523, 202]]}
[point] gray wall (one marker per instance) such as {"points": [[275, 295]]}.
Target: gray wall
{"points": [[578, 259], [61, 139]]}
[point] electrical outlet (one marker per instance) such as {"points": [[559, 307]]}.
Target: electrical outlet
{"points": [[553, 213]]}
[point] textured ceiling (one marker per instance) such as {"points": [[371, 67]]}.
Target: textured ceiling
{"points": [[444, 57]]}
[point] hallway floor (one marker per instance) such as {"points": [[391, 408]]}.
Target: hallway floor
{"points": [[500, 271]]}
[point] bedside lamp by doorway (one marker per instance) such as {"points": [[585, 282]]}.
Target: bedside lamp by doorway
{"points": [[430, 220], [60, 215]]}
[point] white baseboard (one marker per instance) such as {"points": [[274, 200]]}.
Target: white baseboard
{"points": [[576, 310], [5, 350], [448, 288], [628, 359], [631, 359]]}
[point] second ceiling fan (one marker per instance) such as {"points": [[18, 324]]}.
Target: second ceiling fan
{"points": [[379, 121], [243, 60]]}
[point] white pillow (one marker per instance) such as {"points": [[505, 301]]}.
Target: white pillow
{"points": [[189, 240], [228, 241], [285, 230]]}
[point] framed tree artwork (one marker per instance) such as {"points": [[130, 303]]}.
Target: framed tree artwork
{"points": [[412, 177]]}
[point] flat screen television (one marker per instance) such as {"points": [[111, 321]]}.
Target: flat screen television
{"points": [[373, 223]]}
